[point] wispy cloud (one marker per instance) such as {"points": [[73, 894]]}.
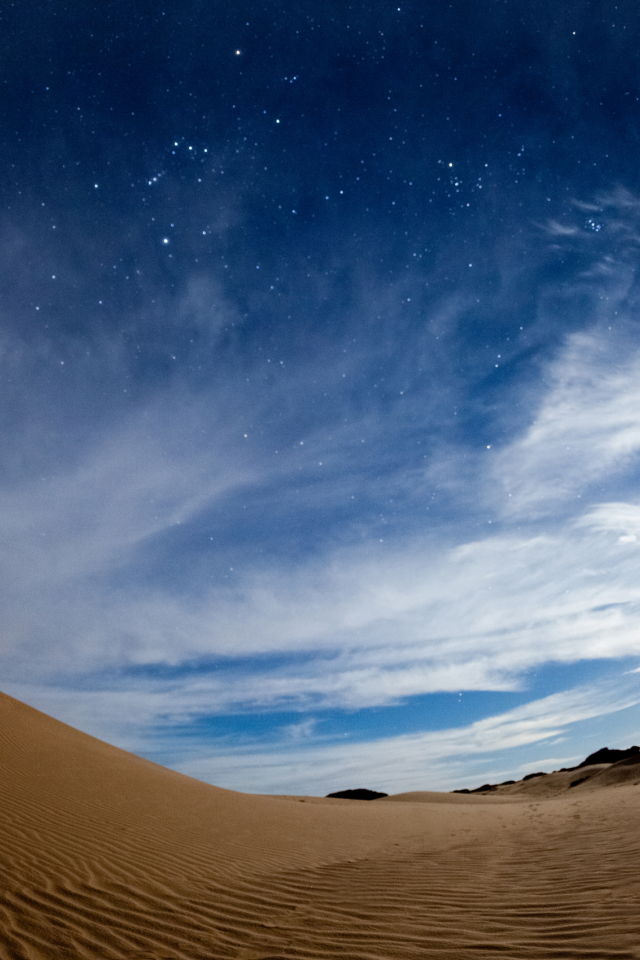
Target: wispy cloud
{"points": [[372, 630], [586, 428], [424, 761], [148, 566], [363, 624], [556, 229]]}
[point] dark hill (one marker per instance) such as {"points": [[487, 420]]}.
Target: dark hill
{"points": [[360, 794], [608, 756]]}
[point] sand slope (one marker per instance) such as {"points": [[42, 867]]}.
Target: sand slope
{"points": [[105, 855]]}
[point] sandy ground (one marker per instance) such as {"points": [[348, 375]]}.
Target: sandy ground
{"points": [[104, 855]]}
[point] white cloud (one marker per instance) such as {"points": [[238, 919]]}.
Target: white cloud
{"points": [[434, 760], [362, 625], [621, 518], [557, 229], [371, 629], [586, 429], [300, 731]]}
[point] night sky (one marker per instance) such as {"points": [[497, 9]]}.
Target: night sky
{"points": [[320, 384]]}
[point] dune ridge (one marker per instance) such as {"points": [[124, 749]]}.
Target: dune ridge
{"points": [[106, 855]]}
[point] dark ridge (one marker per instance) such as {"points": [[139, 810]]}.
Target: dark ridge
{"points": [[506, 783], [360, 794], [574, 783], [530, 776], [608, 756]]}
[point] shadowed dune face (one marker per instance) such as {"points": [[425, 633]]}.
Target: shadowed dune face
{"points": [[105, 855]]}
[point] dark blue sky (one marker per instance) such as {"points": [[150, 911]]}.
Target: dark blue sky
{"points": [[319, 366]]}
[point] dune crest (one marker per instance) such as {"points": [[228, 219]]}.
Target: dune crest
{"points": [[105, 855]]}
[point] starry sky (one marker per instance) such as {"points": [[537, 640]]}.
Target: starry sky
{"points": [[320, 384]]}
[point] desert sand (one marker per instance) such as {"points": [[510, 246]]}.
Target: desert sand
{"points": [[106, 855]]}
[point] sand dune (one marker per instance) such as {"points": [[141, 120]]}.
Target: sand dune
{"points": [[105, 855]]}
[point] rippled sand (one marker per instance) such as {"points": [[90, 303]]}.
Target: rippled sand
{"points": [[105, 855]]}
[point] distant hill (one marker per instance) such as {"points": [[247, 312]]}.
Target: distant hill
{"points": [[602, 756], [608, 756], [360, 794]]}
